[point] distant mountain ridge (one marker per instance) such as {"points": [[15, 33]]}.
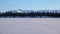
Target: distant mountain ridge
{"points": [[19, 10]]}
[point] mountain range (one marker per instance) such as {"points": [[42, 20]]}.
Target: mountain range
{"points": [[19, 10]]}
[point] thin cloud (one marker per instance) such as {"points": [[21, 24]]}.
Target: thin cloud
{"points": [[12, 2]]}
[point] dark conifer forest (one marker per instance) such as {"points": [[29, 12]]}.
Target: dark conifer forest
{"points": [[30, 14]]}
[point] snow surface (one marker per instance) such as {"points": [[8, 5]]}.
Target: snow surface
{"points": [[29, 25]]}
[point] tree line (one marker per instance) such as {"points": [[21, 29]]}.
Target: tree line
{"points": [[30, 14]]}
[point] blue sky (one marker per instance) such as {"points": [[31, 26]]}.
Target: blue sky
{"points": [[29, 4]]}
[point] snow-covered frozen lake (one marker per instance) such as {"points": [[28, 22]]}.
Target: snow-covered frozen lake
{"points": [[29, 25]]}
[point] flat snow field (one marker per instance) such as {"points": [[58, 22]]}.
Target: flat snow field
{"points": [[29, 25]]}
